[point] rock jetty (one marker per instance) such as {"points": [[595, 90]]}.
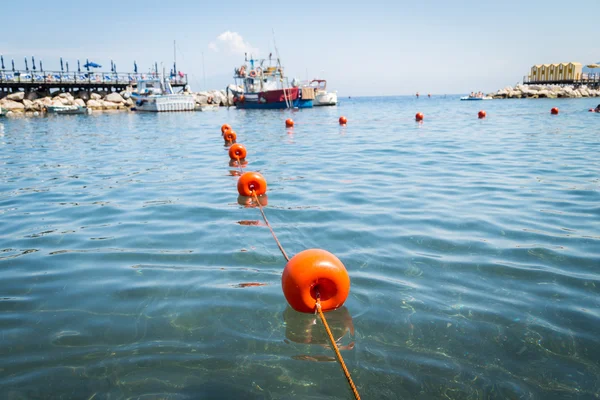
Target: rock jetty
{"points": [[35, 102], [544, 91]]}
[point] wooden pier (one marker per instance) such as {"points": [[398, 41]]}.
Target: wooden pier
{"points": [[590, 80], [48, 81]]}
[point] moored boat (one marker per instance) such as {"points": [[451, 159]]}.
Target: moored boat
{"points": [[156, 95], [322, 96], [263, 85], [68, 110], [469, 98]]}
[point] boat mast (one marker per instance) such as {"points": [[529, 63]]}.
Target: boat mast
{"points": [[174, 58], [287, 104]]}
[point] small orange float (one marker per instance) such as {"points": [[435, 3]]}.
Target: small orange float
{"points": [[554, 111], [419, 116], [481, 114], [225, 127], [237, 152], [251, 182], [229, 137], [315, 270], [289, 122], [343, 120]]}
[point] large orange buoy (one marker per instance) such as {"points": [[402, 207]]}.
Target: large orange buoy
{"points": [[289, 122], [554, 111], [481, 114], [237, 152], [229, 137], [225, 127], [343, 120], [419, 116], [251, 182], [315, 270]]}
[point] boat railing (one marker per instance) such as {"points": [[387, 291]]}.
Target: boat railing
{"points": [[57, 77]]}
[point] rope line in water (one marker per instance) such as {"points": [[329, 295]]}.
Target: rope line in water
{"points": [[269, 225], [318, 303], [240, 165], [336, 350]]}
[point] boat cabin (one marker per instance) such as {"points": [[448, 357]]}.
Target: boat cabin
{"points": [[260, 75], [154, 87]]}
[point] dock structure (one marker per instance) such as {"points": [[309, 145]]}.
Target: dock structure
{"points": [[562, 74], [47, 81], [592, 81]]}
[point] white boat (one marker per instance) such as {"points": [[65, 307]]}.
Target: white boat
{"points": [[207, 107], [156, 95], [68, 110], [322, 97], [472, 98]]}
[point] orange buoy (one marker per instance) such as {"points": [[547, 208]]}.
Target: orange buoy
{"points": [[251, 182], [289, 122], [419, 116], [343, 120], [315, 270], [237, 152], [481, 114], [225, 127], [229, 136], [554, 111]]}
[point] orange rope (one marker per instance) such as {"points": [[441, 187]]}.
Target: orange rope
{"points": [[337, 351], [269, 225], [318, 304], [240, 165]]}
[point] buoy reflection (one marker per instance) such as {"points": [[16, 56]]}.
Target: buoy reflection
{"points": [[249, 201], [305, 328]]}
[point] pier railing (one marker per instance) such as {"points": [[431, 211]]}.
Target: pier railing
{"points": [[592, 79], [101, 78]]}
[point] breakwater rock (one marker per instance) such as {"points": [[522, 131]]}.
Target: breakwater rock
{"points": [[544, 91], [36, 102]]}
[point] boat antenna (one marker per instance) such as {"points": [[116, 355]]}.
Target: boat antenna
{"points": [[203, 71], [174, 58], [276, 49]]}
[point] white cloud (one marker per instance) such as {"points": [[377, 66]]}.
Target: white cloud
{"points": [[233, 43]]}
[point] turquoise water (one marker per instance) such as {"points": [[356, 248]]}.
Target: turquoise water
{"points": [[473, 247]]}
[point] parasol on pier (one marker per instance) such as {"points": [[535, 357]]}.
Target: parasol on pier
{"points": [[112, 66], [115, 68], [593, 66], [2, 61], [12, 61], [67, 67], [26, 67], [135, 67], [78, 66], [92, 64], [32, 63], [41, 68], [61, 65]]}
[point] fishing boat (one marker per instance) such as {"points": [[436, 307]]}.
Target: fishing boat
{"points": [[322, 97], [68, 110], [156, 95], [263, 85]]}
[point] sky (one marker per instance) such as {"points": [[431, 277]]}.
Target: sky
{"points": [[362, 48]]}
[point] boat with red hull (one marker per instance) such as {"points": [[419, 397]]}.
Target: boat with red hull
{"points": [[262, 85]]}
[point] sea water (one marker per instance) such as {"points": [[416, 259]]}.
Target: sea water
{"points": [[129, 269]]}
